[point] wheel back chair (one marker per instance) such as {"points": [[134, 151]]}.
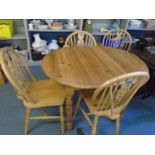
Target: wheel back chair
{"points": [[117, 38], [111, 98], [80, 38], [34, 93]]}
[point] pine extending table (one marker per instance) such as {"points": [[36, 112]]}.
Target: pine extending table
{"points": [[87, 68]]}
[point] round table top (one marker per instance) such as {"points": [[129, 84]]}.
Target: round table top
{"points": [[90, 66]]}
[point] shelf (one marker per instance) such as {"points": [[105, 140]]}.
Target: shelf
{"points": [[140, 29], [98, 33], [51, 30], [18, 36]]}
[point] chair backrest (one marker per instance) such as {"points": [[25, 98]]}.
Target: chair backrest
{"points": [[117, 38], [16, 70], [114, 95], [80, 38]]}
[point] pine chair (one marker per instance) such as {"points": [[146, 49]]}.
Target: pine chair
{"points": [[80, 38], [111, 98], [117, 38], [34, 94]]}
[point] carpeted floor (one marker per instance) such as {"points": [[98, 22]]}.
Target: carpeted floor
{"points": [[138, 118]]}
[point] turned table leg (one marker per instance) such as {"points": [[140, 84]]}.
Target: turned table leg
{"points": [[69, 103]]}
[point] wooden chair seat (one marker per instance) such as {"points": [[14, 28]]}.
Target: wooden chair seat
{"points": [[42, 84], [87, 96], [45, 93]]}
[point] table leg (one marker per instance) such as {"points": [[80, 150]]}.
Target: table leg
{"points": [[69, 103]]}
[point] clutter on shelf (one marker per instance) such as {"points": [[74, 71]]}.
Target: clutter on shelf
{"points": [[54, 24]]}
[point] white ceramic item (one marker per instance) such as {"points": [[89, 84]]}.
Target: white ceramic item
{"points": [[30, 26], [39, 44], [36, 23], [48, 21], [43, 27], [67, 26], [71, 22], [53, 45], [135, 23]]}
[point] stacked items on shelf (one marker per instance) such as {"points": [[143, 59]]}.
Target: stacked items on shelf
{"points": [[52, 25], [141, 24], [101, 27], [41, 42], [149, 24]]}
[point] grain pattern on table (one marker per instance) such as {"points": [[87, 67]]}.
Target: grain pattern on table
{"points": [[88, 67]]}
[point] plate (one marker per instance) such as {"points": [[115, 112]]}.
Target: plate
{"points": [[67, 26], [43, 27], [56, 28]]}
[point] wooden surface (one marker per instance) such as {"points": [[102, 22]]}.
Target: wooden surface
{"points": [[34, 94], [88, 67], [111, 98]]}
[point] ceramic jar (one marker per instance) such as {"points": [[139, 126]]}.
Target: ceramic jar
{"points": [[71, 22], [53, 45], [36, 23], [39, 44]]}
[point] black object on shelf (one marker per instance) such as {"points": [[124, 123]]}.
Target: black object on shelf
{"points": [[61, 41], [144, 42], [37, 56]]}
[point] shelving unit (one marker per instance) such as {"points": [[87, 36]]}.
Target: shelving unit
{"points": [[140, 29], [50, 30], [104, 23], [23, 37], [19, 37], [47, 34]]}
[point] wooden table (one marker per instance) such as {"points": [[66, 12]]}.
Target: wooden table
{"points": [[87, 68]]}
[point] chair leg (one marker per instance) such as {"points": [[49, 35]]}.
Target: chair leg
{"points": [[94, 125], [117, 125], [77, 106], [27, 120], [46, 111], [62, 118]]}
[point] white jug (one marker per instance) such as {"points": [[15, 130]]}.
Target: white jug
{"points": [[38, 43], [53, 45]]}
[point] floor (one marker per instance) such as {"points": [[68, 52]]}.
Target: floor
{"points": [[138, 118]]}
